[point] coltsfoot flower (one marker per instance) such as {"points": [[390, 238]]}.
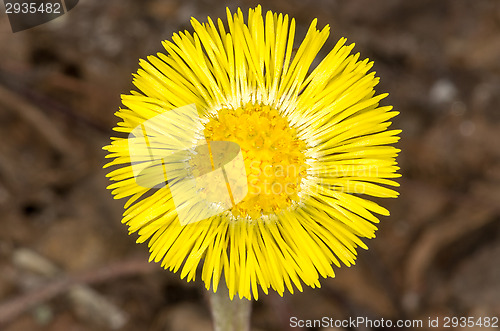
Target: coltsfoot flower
{"points": [[313, 139]]}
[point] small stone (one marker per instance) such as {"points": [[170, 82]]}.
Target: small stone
{"points": [[443, 91]]}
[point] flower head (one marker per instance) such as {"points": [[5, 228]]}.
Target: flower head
{"points": [[298, 147]]}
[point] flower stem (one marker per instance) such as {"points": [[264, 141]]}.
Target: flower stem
{"points": [[229, 315]]}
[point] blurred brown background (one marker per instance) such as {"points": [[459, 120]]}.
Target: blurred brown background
{"points": [[66, 262]]}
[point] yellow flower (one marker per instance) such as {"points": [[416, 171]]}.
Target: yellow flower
{"points": [[313, 141]]}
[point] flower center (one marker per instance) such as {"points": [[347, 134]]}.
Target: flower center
{"points": [[273, 155]]}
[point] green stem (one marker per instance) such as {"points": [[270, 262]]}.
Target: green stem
{"points": [[227, 314]]}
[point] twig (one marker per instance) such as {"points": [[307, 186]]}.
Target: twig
{"points": [[471, 215], [11, 309], [14, 82], [38, 120]]}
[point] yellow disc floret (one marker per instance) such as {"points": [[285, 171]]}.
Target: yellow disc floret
{"points": [[273, 155]]}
